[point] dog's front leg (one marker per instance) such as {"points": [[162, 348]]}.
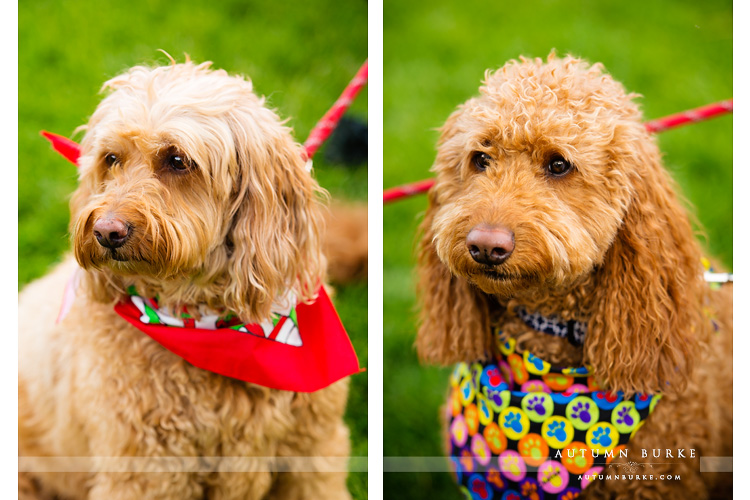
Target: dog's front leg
{"points": [[312, 460], [318, 471]]}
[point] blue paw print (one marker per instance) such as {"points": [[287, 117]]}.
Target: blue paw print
{"points": [[513, 421], [557, 431], [536, 404], [581, 412], [601, 436], [537, 362], [625, 417]]}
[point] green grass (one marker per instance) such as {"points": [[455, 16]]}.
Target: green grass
{"points": [[299, 54], [678, 55]]}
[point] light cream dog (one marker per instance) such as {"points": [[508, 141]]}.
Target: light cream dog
{"points": [[193, 191]]}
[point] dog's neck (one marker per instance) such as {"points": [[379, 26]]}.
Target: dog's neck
{"points": [[190, 295], [572, 302]]}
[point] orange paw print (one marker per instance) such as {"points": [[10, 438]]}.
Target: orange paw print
{"points": [[467, 461], [529, 490], [495, 438], [495, 479], [519, 371], [533, 449], [471, 414]]}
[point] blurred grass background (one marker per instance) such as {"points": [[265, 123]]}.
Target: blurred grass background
{"points": [[677, 54], [299, 54]]}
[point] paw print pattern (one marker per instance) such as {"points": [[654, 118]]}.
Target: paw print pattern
{"points": [[642, 401], [553, 476], [491, 377], [602, 437], [479, 488], [495, 438], [569, 494], [497, 400], [557, 432], [582, 412], [514, 422], [467, 461], [494, 478], [533, 449], [458, 374], [558, 381], [529, 489], [535, 364], [520, 375], [459, 431], [471, 413], [606, 400], [481, 450], [535, 386], [511, 465], [625, 417], [485, 412], [535, 405], [538, 406], [467, 388], [577, 458], [506, 372], [493, 407]]}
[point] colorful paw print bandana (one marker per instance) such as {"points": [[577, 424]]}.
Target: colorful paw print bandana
{"points": [[301, 348], [521, 428]]}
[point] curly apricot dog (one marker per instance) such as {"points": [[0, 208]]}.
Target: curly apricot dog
{"points": [[553, 239], [192, 191]]}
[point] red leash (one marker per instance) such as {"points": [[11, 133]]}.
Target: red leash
{"points": [[658, 125], [328, 123], [72, 150], [690, 116]]}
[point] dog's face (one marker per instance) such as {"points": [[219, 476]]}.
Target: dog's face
{"points": [[191, 187], [530, 186], [551, 191]]}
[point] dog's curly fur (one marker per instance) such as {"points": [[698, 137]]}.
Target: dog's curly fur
{"points": [[608, 243], [238, 226]]}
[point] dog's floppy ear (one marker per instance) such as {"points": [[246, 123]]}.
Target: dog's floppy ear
{"points": [[274, 240], [644, 332], [454, 316]]}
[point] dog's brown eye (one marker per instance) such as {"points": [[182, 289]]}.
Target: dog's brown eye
{"points": [[481, 161], [110, 159], [558, 166], [178, 162]]}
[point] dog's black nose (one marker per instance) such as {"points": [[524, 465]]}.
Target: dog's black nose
{"points": [[490, 245], [111, 232]]}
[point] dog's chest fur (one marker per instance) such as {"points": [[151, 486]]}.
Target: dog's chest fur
{"points": [[136, 383]]}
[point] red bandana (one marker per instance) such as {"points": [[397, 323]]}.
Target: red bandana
{"points": [[255, 353]]}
